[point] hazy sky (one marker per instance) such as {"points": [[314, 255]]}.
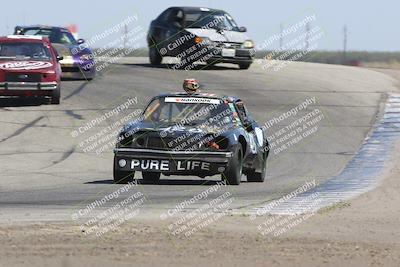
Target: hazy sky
{"points": [[372, 25]]}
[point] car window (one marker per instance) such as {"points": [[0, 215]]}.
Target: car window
{"points": [[186, 113], [210, 19], [66, 38], [241, 110], [176, 17], [24, 50], [165, 15], [55, 35]]}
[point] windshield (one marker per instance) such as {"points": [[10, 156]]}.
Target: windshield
{"points": [[212, 20], [55, 35], [167, 112], [24, 51]]}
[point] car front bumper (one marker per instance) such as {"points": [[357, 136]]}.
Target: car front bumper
{"points": [[237, 55], [72, 69], [31, 88], [200, 163]]}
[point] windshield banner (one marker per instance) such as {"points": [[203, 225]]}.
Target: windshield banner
{"points": [[190, 100]]}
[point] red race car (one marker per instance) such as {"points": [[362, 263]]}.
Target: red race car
{"points": [[29, 66]]}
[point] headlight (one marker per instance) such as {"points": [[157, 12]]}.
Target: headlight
{"points": [[85, 57], [248, 44]]}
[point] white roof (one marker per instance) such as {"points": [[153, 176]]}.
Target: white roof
{"points": [[37, 37]]}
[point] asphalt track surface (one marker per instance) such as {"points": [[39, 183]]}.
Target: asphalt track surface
{"points": [[46, 175]]}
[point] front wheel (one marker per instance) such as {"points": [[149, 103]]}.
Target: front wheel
{"points": [[155, 57], [55, 96], [233, 174]]}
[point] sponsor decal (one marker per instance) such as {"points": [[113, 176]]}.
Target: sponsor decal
{"points": [[190, 100], [164, 165], [25, 65]]}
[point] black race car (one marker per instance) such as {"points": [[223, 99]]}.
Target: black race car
{"points": [[199, 34], [192, 134]]}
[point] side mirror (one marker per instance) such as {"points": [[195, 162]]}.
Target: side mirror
{"points": [[81, 41], [243, 29], [59, 58]]}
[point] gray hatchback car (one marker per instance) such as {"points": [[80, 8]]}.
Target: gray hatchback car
{"points": [[199, 34]]}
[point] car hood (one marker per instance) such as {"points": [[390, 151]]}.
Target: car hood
{"points": [[171, 130], [216, 36], [66, 50]]}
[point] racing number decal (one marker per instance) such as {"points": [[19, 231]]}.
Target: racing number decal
{"points": [[25, 65]]}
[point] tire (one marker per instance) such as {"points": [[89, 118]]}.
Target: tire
{"points": [[154, 56], [151, 177], [233, 173], [258, 177], [244, 66], [55, 96], [122, 177]]}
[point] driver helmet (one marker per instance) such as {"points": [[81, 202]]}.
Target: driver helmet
{"points": [[190, 86]]}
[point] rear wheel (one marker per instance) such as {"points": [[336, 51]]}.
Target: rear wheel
{"points": [[155, 57], [259, 177], [55, 96], [233, 174], [151, 177]]}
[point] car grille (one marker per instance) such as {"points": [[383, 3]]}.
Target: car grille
{"points": [[160, 143], [23, 77], [229, 45], [154, 141]]}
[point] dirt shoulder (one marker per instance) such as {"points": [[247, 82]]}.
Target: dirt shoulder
{"points": [[362, 232]]}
